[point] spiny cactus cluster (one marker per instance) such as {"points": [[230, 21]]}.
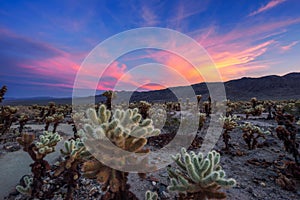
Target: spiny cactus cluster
{"points": [[229, 123], [143, 107], [55, 119], [109, 96], [268, 106], [255, 110], [158, 117], [187, 105], [22, 121], [202, 119], [251, 133], [127, 131], [287, 131], [47, 142], [37, 151], [7, 117], [26, 186], [151, 195], [207, 107], [2, 92], [68, 170], [198, 177]]}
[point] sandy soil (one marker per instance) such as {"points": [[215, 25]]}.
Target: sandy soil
{"points": [[253, 181]]}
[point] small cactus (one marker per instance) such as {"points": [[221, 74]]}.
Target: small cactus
{"points": [[151, 195], [251, 134], [26, 188], [198, 177], [229, 123]]}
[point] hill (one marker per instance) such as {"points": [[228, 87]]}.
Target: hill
{"points": [[267, 87]]}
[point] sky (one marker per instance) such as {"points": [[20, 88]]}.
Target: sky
{"points": [[44, 43]]}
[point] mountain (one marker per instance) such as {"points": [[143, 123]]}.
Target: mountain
{"points": [[267, 87]]}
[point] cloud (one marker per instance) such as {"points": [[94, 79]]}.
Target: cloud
{"points": [[149, 17], [244, 45], [289, 46], [266, 7], [28, 61], [14, 46]]}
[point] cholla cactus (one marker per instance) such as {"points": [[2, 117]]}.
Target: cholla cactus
{"points": [[7, 117], [268, 106], [199, 97], [202, 118], [26, 186], [255, 110], [252, 133], [55, 119], [287, 134], [198, 177], [151, 195], [144, 107], [158, 116], [47, 143], [68, 169], [229, 123], [37, 152], [22, 120], [2, 92], [124, 129], [109, 96]]}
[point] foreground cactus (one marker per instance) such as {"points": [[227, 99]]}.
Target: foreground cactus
{"points": [[25, 187], [68, 171], [38, 151], [126, 131], [198, 177], [251, 134]]}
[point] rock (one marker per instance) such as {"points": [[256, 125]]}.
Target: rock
{"points": [[263, 184]]}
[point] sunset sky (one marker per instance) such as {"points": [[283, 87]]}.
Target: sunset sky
{"points": [[43, 43]]}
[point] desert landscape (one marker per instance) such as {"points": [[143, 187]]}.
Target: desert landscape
{"points": [[150, 100], [258, 149]]}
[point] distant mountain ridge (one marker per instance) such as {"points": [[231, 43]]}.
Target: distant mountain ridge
{"points": [[271, 87]]}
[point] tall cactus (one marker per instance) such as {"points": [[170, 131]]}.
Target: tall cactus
{"points": [[126, 130], [68, 171], [2, 92], [38, 151], [229, 123], [197, 177]]}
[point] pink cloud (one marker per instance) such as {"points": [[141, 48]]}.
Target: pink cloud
{"points": [[289, 46], [269, 5]]}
